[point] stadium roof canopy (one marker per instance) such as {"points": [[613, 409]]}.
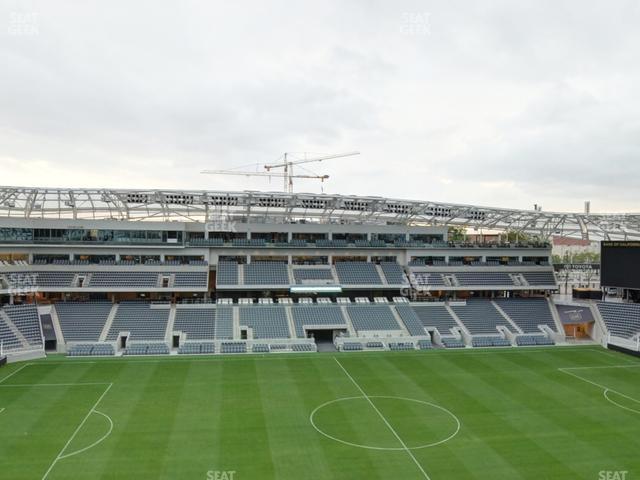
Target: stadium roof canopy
{"points": [[279, 207]]}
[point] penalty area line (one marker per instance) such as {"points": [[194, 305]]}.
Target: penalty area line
{"points": [[82, 450], [14, 372], [66, 445], [605, 389]]}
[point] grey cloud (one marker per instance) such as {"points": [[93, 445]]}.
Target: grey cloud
{"points": [[497, 102]]}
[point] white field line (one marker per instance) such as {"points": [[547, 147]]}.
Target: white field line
{"points": [[606, 395], [93, 410], [19, 385], [608, 353], [427, 445], [304, 356], [66, 445], [626, 365], [404, 445], [61, 455], [603, 387], [97, 441], [14, 372]]}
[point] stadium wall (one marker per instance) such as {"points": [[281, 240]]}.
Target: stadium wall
{"points": [[621, 349]]}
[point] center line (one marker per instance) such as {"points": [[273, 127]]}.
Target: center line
{"points": [[404, 446]]}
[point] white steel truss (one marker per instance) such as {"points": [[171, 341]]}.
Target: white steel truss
{"points": [[279, 207]]}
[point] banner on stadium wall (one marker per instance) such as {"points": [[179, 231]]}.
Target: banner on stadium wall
{"points": [[576, 266]]}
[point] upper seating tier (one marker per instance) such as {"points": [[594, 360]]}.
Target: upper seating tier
{"points": [[82, 322], [142, 321], [316, 315], [372, 317], [197, 323], [358, 273], [481, 317], [528, 313], [265, 321], [436, 315]]}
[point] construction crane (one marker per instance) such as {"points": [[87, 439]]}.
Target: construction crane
{"points": [[287, 165]]}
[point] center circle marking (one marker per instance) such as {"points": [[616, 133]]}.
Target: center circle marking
{"points": [[370, 447]]}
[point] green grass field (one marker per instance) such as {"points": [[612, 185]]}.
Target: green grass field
{"points": [[490, 414]]}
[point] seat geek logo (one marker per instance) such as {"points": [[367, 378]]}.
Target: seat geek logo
{"points": [[22, 283], [221, 474], [613, 475]]}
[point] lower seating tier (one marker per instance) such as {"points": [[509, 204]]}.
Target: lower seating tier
{"points": [[147, 349], [490, 342], [452, 343], [531, 340], [196, 348], [622, 319], [91, 350]]}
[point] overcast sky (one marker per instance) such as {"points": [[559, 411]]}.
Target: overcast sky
{"points": [[493, 103]]}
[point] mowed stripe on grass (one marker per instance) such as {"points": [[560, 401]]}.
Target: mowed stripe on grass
{"points": [[521, 417]]}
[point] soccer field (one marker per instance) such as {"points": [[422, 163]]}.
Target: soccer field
{"points": [[553, 413]]}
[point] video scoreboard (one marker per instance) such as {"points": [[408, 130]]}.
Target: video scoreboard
{"points": [[620, 264]]}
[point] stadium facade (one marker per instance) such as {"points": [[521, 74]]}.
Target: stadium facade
{"points": [[104, 272]]}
